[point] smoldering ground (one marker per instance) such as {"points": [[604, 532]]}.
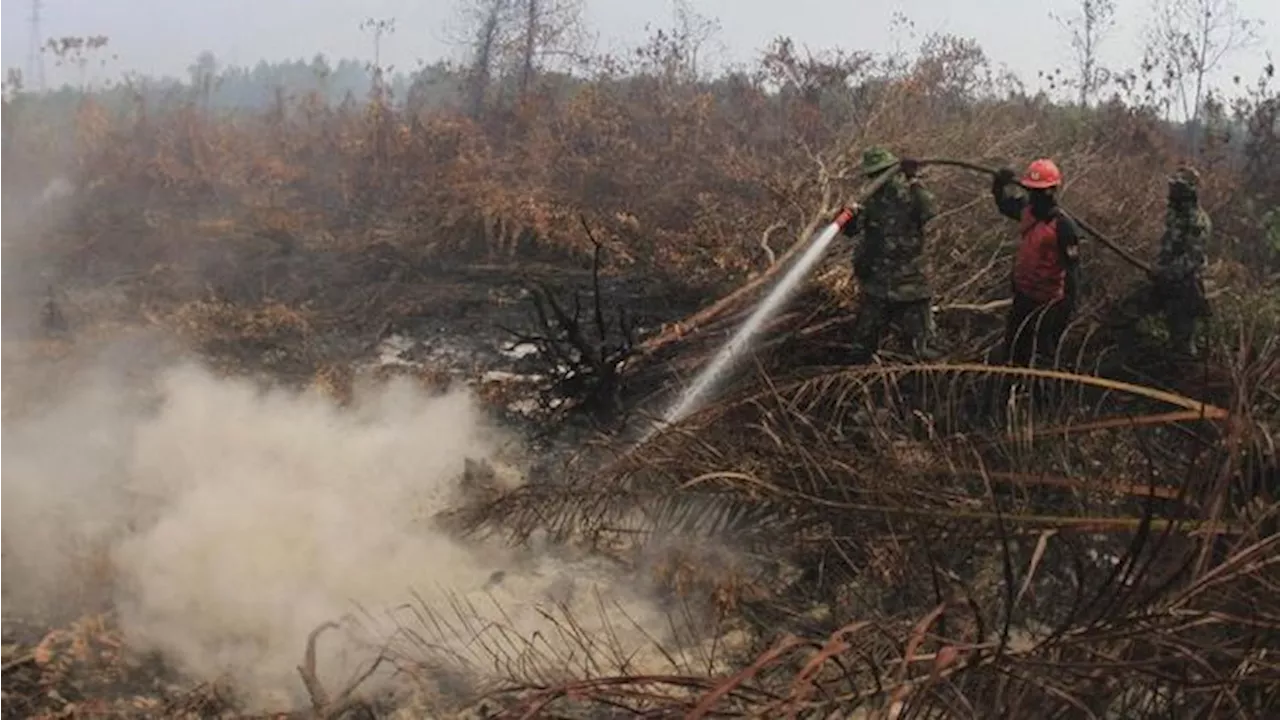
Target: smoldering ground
{"points": [[223, 521]]}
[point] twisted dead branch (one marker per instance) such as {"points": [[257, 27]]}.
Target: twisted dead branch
{"points": [[325, 706]]}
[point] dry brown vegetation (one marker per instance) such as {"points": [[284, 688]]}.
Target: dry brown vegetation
{"points": [[921, 541]]}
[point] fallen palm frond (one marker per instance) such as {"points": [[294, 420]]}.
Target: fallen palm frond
{"points": [[1121, 647], [1059, 533], [1120, 663], [805, 438]]}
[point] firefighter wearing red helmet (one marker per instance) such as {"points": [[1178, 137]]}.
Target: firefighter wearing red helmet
{"points": [[1046, 266]]}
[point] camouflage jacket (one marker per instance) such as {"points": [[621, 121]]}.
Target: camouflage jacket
{"points": [[1182, 247], [890, 260]]}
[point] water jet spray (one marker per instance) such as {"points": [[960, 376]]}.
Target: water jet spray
{"points": [[741, 340], [693, 396]]}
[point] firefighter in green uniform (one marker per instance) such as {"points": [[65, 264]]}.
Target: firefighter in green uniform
{"points": [[890, 261], [1176, 287]]}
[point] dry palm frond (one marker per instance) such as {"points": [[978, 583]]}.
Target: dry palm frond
{"points": [[1061, 524], [790, 453], [1124, 648]]}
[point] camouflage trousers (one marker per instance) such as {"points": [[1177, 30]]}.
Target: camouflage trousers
{"points": [[912, 318], [1181, 306]]}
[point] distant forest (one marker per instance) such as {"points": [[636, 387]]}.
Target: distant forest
{"points": [[234, 87]]}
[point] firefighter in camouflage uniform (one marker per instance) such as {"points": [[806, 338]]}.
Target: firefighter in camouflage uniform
{"points": [[890, 261], [1176, 287]]}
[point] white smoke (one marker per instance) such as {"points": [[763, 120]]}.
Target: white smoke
{"points": [[231, 520]]}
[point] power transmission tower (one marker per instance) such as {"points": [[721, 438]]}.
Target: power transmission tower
{"points": [[35, 57]]}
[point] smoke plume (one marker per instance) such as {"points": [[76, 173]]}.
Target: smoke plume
{"points": [[224, 521]]}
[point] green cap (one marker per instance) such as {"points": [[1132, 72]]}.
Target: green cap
{"points": [[875, 159]]}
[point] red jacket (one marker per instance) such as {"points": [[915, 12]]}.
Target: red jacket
{"points": [[1038, 269]]}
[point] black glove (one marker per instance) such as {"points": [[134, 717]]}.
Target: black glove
{"points": [[910, 167], [1006, 176]]}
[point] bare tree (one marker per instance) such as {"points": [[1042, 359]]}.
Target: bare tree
{"points": [[548, 28], [77, 51], [1188, 40], [204, 76], [673, 52], [520, 36], [532, 20], [488, 18], [1087, 28], [379, 28], [692, 32]]}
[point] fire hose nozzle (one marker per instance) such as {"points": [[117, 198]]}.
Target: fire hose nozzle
{"points": [[843, 217]]}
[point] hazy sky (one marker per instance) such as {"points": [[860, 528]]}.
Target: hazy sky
{"points": [[164, 36]]}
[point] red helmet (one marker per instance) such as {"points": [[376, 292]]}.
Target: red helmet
{"points": [[1042, 173]]}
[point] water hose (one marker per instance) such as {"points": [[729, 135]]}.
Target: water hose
{"points": [[1106, 241]]}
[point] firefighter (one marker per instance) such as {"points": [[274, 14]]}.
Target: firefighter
{"points": [[890, 261], [1176, 287], [1046, 266]]}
